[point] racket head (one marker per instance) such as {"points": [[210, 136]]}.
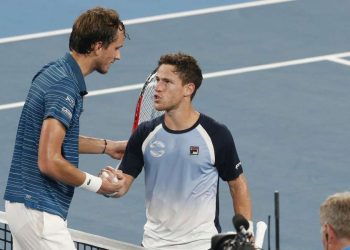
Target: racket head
{"points": [[145, 110]]}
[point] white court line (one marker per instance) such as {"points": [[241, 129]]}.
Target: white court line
{"points": [[34, 36], [204, 11], [339, 60], [331, 57], [11, 105], [277, 65], [151, 19]]}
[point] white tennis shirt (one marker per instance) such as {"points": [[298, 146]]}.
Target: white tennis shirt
{"points": [[182, 170]]}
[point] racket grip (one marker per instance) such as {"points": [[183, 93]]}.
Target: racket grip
{"points": [[118, 165]]}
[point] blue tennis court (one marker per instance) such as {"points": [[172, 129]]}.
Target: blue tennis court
{"points": [[276, 73]]}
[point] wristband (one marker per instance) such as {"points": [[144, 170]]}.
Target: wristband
{"points": [[91, 183]]}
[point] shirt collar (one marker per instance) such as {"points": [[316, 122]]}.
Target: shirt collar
{"points": [[77, 71]]}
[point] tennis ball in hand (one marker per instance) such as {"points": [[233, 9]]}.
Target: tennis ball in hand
{"points": [[109, 176]]}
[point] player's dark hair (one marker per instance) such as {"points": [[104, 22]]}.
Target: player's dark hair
{"points": [[187, 67], [95, 25]]}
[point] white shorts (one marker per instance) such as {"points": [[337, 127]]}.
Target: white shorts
{"points": [[36, 230]]}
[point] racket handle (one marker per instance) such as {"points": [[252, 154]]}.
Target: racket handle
{"points": [[118, 165]]}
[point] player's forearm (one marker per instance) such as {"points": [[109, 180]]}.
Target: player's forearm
{"points": [[242, 205], [59, 169], [50, 160], [241, 197], [90, 145]]}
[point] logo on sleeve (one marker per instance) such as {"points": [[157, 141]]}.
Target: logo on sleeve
{"points": [[66, 112], [70, 100], [238, 165], [194, 150]]}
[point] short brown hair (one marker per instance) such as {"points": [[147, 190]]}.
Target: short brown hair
{"points": [[186, 66], [95, 25]]}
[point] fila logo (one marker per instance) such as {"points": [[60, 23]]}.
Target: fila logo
{"points": [[194, 150]]}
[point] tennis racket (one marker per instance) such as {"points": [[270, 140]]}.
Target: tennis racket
{"points": [[145, 110]]}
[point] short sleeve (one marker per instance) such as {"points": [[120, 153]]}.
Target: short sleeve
{"points": [[227, 160], [60, 102], [132, 162]]}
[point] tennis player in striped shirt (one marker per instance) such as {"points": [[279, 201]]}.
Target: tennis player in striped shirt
{"points": [[44, 169]]}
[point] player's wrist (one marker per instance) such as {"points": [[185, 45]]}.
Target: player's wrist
{"points": [[91, 183], [105, 146]]}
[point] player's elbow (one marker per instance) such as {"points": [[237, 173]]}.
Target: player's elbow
{"points": [[46, 165]]}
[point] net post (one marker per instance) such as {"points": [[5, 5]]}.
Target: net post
{"points": [[277, 219], [268, 232]]}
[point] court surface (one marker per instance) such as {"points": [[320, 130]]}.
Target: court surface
{"points": [[276, 74]]}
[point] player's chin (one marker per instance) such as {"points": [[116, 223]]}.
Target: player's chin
{"points": [[158, 107], [103, 70]]}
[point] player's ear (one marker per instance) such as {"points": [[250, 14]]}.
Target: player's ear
{"points": [[189, 89], [96, 47], [326, 234], [330, 234]]}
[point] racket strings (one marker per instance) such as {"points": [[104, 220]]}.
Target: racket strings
{"points": [[147, 110]]}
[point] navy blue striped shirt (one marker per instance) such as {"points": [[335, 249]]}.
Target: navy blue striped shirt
{"points": [[56, 91]]}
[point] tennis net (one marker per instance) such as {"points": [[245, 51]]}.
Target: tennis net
{"points": [[83, 240]]}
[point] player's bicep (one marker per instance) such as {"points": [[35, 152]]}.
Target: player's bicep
{"points": [[50, 143]]}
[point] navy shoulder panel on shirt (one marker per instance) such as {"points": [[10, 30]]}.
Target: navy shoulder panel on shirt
{"points": [[132, 162], [148, 126], [226, 158]]}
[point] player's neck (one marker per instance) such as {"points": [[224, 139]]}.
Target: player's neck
{"points": [[343, 243], [83, 61], [337, 244], [181, 120]]}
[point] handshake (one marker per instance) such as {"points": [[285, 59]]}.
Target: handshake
{"points": [[112, 182]]}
